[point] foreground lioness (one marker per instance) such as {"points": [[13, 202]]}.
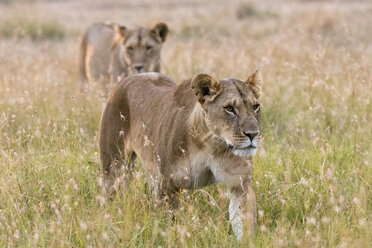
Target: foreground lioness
{"points": [[186, 141], [109, 52]]}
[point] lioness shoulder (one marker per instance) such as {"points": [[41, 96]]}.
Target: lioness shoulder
{"points": [[199, 132], [110, 51]]}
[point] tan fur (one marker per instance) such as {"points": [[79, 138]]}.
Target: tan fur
{"points": [[109, 52], [199, 132]]}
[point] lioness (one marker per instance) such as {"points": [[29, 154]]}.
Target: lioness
{"points": [[186, 141], [109, 52]]}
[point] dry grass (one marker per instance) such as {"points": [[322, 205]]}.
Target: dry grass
{"points": [[313, 186]]}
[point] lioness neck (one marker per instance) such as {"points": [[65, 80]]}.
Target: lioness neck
{"points": [[201, 135]]}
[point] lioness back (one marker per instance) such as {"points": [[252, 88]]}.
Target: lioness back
{"points": [[95, 52], [109, 51]]}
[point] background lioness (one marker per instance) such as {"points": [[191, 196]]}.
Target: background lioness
{"points": [[110, 51], [185, 141]]}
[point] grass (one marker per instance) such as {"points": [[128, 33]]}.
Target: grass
{"points": [[249, 10], [21, 27], [313, 179]]}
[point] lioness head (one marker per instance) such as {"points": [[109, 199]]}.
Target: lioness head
{"points": [[232, 110], [141, 47]]}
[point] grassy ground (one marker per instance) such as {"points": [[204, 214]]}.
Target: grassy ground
{"points": [[313, 185]]}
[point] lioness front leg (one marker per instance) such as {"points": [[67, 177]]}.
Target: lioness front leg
{"points": [[242, 212]]}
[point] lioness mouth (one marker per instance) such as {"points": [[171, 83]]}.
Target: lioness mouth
{"points": [[241, 148]]}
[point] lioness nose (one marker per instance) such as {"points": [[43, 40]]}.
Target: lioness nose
{"points": [[138, 67], [251, 135]]}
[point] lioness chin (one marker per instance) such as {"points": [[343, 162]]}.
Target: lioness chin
{"points": [[199, 132]]}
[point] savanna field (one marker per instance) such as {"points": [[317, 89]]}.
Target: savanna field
{"points": [[312, 175]]}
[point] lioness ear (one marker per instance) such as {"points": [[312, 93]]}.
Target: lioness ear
{"points": [[161, 31], [205, 87], [255, 82], [121, 30]]}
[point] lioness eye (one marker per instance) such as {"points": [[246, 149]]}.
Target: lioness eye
{"points": [[256, 107], [230, 109], [148, 48], [130, 49]]}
